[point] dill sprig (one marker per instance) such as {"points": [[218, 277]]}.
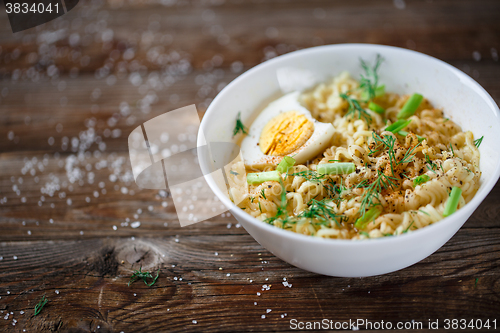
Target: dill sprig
{"points": [[370, 197], [477, 142], [40, 305], [332, 189], [319, 210], [369, 81], [140, 275], [239, 127], [309, 175], [409, 155], [431, 165], [388, 142], [383, 143], [355, 107], [263, 194]]}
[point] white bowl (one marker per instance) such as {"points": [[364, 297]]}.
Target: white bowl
{"points": [[403, 71]]}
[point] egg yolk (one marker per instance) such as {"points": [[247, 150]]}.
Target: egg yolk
{"points": [[285, 133]]}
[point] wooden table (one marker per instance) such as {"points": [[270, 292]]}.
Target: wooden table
{"points": [[73, 89]]}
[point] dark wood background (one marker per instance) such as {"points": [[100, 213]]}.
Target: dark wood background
{"points": [[80, 71]]}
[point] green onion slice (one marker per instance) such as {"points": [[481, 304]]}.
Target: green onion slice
{"points": [[375, 107], [286, 163], [410, 106], [397, 125], [452, 202], [335, 168], [260, 177], [405, 133], [369, 216], [421, 179]]}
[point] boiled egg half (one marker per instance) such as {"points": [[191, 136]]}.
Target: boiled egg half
{"points": [[285, 128]]}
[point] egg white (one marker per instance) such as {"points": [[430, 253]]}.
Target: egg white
{"points": [[319, 140]]}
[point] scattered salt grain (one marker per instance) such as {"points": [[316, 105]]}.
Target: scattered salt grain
{"points": [[14, 257], [476, 55], [135, 224], [114, 227], [195, 322], [263, 316]]}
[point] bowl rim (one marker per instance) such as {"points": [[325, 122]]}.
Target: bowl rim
{"points": [[419, 233]]}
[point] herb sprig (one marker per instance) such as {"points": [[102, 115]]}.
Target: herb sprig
{"points": [[478, 142], [319, 210], [370, 197], [355, 108], [239, 127], [140, 275], [40, 305], [369, 81]]}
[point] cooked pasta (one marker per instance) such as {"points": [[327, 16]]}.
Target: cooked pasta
{"points": [[401, 179]]}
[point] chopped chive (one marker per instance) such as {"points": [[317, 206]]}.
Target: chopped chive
{"points": [[260, 177], [335, 168], [452, 202], [405, 133], [263, 194], [420, 180], [369, 216], [375, 107], [286, 163], [397, 125], [477, 142], [452, 151], [260, 208], [410, 106]]}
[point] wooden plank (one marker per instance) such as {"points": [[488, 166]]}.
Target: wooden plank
{"points": [[86, 283]]}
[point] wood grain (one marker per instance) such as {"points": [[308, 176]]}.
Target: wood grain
{"points": [[66, 210]]}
